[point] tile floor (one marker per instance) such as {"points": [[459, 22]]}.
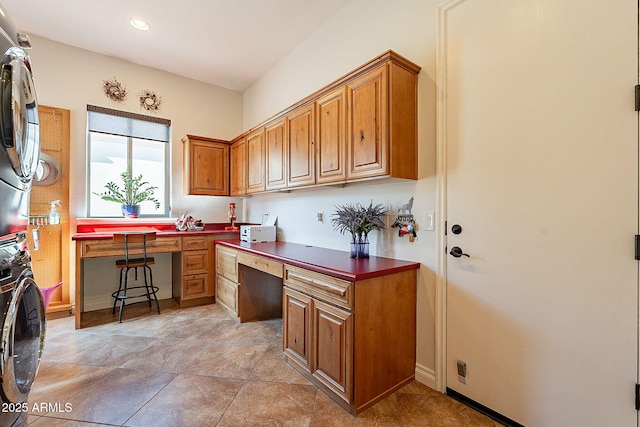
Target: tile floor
{"points": [[198, 367]]}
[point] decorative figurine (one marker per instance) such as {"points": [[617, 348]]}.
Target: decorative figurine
{"points": [[232, 217], [405, 221]]}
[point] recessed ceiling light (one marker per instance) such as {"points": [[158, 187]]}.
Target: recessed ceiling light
{"points": [[139, 24]]}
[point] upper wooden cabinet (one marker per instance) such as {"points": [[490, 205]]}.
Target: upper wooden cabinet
{"points": [[238, 165], [362, 126], [301, 160], [255, 161], [206, 166], [331, 131], [276, 146], [382, 123]]}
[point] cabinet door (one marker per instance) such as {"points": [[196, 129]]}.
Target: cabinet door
{"points": [[238, 167], [296, 329], [195, 286], [227, 293], [301, 164], [255, 161], [331, 123], [226, 262], [367, 145], [206, 167], [332, 344], [276, 148], [195, 262]]}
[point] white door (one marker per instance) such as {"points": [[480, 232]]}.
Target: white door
{"points": [[541, 142]]}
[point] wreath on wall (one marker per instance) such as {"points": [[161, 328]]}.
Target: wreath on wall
{"points": [[149, 100], [114, 90]]}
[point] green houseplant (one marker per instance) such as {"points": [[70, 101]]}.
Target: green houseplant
{"points": [[133, 192], [358, 220]]}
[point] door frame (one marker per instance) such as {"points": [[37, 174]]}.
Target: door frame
{"points": [[441, 196]]}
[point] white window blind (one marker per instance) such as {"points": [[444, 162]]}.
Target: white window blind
{"points": [[123, 123]]}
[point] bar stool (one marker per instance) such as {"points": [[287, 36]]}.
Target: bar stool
{"points": [[129, 263]]}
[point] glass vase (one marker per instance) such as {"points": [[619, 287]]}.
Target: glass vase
{"points": [[360, 246]]}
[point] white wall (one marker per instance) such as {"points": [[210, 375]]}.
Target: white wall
{"points": [[70, 78], [358, 32]]}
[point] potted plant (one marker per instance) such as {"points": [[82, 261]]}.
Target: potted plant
{"points": [[359, 221], [134, 192]]}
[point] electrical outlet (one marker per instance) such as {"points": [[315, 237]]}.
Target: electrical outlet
{"points": [[320, 217], [462, 371]]}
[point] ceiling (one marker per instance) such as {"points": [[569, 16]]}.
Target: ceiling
{"points": [[228, 43]]}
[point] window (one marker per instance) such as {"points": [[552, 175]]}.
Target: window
{"points": [[119, 141]]}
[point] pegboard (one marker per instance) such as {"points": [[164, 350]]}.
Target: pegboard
{"points": [[51, 263]]}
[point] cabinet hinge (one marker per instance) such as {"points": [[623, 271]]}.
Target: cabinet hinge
{"points": [[637, 247], [637, 397], [637, 97]]}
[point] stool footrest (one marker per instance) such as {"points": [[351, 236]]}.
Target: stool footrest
{"points": [[121, 297]]}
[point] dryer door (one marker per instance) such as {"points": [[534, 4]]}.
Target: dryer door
{"points": [[22, 340], [19, 124]]}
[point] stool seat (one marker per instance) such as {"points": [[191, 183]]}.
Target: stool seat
{"points": [[136, 262], [135, 242]]}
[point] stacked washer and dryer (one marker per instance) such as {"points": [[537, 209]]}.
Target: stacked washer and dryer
{"points": [[22, 319]]}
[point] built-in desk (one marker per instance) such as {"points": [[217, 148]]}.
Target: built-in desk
{"points": [[192, 261], [349, 325]]}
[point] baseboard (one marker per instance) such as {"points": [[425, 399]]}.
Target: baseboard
{"points": [[426, 376], [508, 422]]}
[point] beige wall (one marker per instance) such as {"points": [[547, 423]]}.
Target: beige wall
{"points": [[358, 32], [70, 78]]}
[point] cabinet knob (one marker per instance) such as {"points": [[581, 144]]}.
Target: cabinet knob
{"points": [[361, 135]]}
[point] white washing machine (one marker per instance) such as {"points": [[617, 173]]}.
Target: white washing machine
{"points": [[22, 320]]}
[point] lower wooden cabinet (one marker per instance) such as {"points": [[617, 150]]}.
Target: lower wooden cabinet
{"points": [[191, 273], [332, 342], [355, 340], [227, 294], [195, 286], [296, 314], [318, 338]]}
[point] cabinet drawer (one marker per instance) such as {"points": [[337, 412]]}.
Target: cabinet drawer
{"points": [[226, 264], [227, 293], [104, 248], [266, 265], [193, 243], [194, 286], [321, 286], [195, 262]]}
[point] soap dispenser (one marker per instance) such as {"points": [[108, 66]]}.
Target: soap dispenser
{"points": [[54, 216]]}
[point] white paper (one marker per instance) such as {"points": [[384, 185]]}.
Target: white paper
{"points": [[269, 220]]}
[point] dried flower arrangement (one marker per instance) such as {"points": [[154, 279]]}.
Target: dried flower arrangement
{"points": [[359, 221]]}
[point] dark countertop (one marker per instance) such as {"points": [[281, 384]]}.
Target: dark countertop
{"points": [[322, 260]]}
